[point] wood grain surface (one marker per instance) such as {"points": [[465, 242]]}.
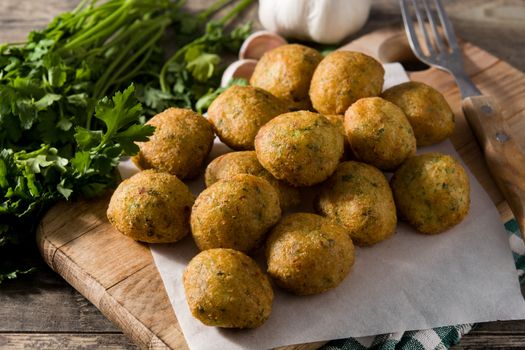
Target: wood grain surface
{"points": [[43, 311], [503, 154]]}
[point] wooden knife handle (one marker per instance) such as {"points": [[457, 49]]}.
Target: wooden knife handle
{"points": [[504, 157]]}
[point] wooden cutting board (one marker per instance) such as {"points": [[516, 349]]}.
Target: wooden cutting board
{"points": [[118, 275]]}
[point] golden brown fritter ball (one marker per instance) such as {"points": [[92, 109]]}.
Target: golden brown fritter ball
{"points": [[240, 111], [342, 78], [301, 148], [286, 72], [245, 162], [235, 213], [151, 207], [358, 197], [225, 288], [432, 192], [338, 120], [379, 133], [309, 254], [426, 109], [181, 142]]}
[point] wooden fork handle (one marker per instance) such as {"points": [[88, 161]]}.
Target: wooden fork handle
{"points": [[504, 157]]}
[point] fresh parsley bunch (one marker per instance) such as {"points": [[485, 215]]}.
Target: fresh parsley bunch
{"points": [[195, 69], [59, 135]]}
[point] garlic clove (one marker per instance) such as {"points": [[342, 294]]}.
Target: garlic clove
{"points": [[260, 42], [238, 69]]}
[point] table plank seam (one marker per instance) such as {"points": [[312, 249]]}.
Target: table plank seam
{"points": [[82, 234], [51, 262], [130, 275]]}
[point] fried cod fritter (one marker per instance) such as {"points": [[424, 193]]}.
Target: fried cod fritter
{"points": [[151, 207], [342, 78], [358, 197], [301, 148], [308, 254], [426, 109], [432, 192], [181, 142], [235, 213], [286, 72], [379, 133], [239, 112], [225, 288]]}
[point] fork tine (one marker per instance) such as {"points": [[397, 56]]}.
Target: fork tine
{"points": [[422, 27], [411, 33], [445, 22], [437, 37]]}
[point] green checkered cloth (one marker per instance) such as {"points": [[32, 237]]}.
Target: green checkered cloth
{"points": [[440, 338]]}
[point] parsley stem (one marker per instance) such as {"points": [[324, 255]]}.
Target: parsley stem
{"points": [[89, 12], [123, 61], [125, 33], [109, 25], [212, 9], [81, 6], [137, 54], [238, 8], [115, 20], [23, 155], [137, 70]]}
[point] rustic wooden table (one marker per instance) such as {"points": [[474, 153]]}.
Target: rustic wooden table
{"points": [[43, 312]]}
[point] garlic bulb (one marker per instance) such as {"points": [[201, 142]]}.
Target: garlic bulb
{"points": [[323, 21]]}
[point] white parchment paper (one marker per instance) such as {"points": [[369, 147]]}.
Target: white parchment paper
{"points": [[410, 281]]}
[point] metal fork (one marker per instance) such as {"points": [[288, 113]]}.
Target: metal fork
{"points": [[505, 159]]}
